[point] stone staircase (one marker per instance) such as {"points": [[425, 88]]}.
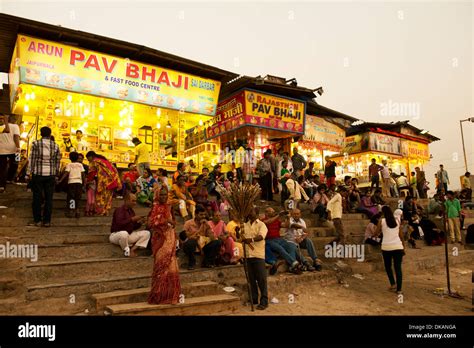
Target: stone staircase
{"points": [[79, 272]]}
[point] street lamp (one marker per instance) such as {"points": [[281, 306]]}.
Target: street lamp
{"points": [[470, 119]]}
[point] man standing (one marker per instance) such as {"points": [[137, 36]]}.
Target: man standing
{"points": [[142, 155], [125, 225], [9, 151], [330, 172], [308, 173], [453, 211], [265, 176], [79, 143], [299, 163], [334, 209], [43, 167], [420, 182], [253, 240], [443, 178], [374, 170], [466, 185], [386, 179], [239, 160]]}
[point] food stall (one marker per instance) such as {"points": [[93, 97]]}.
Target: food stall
{"points": [[402, 145], [258, 120], [110, 99], [321, 138]]}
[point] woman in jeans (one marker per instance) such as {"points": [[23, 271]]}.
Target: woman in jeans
{"points": [[392, 245]]}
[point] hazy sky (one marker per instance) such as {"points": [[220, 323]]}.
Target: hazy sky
{"points": [[366, 55]]}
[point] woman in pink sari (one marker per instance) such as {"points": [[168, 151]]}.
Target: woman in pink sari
{"points": [[218, 227], [165, 283], [108, 180]]}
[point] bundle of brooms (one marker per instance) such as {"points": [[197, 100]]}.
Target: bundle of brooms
{"points": [[242, 199]]}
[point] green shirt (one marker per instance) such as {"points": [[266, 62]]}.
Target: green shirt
{"points": [[453, 208], [283, 172]]}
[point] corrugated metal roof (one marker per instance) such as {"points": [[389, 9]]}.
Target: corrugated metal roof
{"points": [[10, 26], [393, 126]]}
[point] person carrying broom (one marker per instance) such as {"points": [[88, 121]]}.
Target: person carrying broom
{"points": [[242, 199], [255, 232]]}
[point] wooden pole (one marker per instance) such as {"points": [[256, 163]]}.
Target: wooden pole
{"points": [[246, 270], [445, 222]]}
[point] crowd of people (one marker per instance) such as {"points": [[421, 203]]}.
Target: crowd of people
{"points": [[211, 229]]}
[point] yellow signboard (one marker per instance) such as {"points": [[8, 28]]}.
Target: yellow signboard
{"points": [[274, 112], [415, 150], [55, 65]]}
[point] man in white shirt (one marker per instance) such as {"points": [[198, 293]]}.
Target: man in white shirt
{"points": [[334, 209], [9, 150], [79, 143], [253, 239], [296, 191], [298, 234], [386, 179]]}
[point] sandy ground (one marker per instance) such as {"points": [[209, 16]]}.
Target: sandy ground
{"points": [[370, 296]]}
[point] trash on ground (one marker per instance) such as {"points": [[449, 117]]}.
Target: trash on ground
{"points": [[274, 300], [229, 289], [358, 276]]}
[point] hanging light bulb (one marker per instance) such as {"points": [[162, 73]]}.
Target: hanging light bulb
{"points": [[69, 98], [85, 125], [121, 123], [81, 103], [86, 112], [68, 112], [201, 123], [101, 104], [158, 112], [168, 125], [32, 95], [158, 125], [26, 108], [130, 122], [101, 117]]}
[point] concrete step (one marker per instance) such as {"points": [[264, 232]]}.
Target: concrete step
{"points": [[433, 261], [56, 239], [60, 221], [64, 287], [52, 272], [203, 305], [59, 211], [78, 251], [195, 289]]}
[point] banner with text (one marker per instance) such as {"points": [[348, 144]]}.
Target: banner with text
{"points": [[55, 65], [323, 135], [415, 150]]}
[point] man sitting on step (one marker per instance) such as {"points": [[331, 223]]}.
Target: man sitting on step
{"points": [[125, 225], [297, 234], [274, 244]]}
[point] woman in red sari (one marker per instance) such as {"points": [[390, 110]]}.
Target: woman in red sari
{"points": [[108, 180], [165, 284]]}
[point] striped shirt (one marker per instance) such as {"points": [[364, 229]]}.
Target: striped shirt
{"points": [[45, 158]]}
